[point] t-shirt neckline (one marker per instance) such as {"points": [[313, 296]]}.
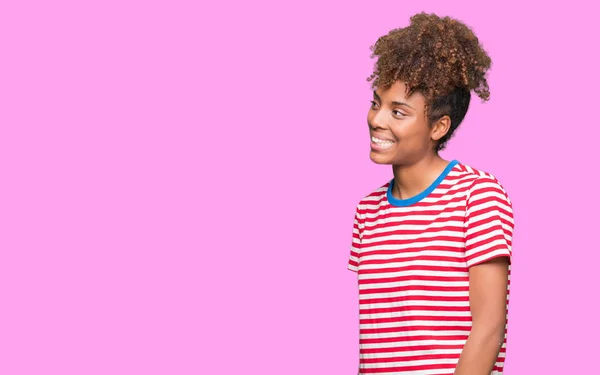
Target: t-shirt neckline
{"points": [[409, 201]]}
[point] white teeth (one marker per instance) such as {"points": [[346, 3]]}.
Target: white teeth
{"points": [[381, 141]]}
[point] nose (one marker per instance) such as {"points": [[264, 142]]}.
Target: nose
{"points": [[377, 120]]}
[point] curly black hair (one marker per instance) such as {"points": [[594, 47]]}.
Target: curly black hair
{"points": [[441, 58]]}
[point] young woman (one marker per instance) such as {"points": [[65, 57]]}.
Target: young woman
{"points": [[432, 246]]}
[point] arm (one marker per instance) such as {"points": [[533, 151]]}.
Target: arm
{"points": [[489, 225], [353, 260], [487, 297]]}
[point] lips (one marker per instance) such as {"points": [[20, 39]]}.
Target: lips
{"points": [[382, 137]]}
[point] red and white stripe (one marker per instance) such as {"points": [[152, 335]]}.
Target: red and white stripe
{"points": [[412, 265]]}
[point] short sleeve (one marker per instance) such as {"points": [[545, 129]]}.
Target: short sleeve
{"points": [[355, 245], [489, 222]]}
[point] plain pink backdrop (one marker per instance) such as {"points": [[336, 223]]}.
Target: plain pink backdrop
{"points": [[178, 181]]}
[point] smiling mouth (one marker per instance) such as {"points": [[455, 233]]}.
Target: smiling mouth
{"points": [[381, 142]]}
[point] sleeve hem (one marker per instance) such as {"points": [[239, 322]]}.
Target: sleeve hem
{"points": [[492, 255]]}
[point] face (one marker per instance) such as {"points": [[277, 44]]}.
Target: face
{"points": [[399, 130]]}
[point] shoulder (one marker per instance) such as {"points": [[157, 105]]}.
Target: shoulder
{"points": [[484, 187], [477, 178], [373, 198], [474, 174]]}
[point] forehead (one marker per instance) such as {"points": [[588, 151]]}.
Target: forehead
{"points": [[397, 92]]}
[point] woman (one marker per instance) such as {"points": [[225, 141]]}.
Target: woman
{"points": [[432, 246]]}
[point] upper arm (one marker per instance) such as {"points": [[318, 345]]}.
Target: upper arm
{"points": [[488, 288], [489, 225], [489, 222], [356, 242]]}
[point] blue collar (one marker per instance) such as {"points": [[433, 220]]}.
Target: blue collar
{"points": [[407, 202]]}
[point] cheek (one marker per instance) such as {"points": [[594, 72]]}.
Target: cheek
{"points": [[405, 131], [411, 134]]}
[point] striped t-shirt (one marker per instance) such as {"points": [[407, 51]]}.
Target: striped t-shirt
{"points": [[412, 258]]}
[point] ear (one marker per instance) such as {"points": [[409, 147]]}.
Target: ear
{"points": [[440, 128]]}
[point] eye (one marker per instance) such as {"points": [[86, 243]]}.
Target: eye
{"points": [[373, 103], [398, 113]]}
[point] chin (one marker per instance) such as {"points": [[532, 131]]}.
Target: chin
{"points": [[377, 158]]}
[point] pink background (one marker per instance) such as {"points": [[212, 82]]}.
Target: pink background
{"points": [[178, 181]]}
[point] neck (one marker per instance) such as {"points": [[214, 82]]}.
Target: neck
{"points": [[412, 179]]}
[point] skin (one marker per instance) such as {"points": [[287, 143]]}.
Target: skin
{"points": [[487, 298], [399, 118], [414, 161]]}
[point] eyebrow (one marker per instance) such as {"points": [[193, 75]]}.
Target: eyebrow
{"points": [[393, 103]]}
